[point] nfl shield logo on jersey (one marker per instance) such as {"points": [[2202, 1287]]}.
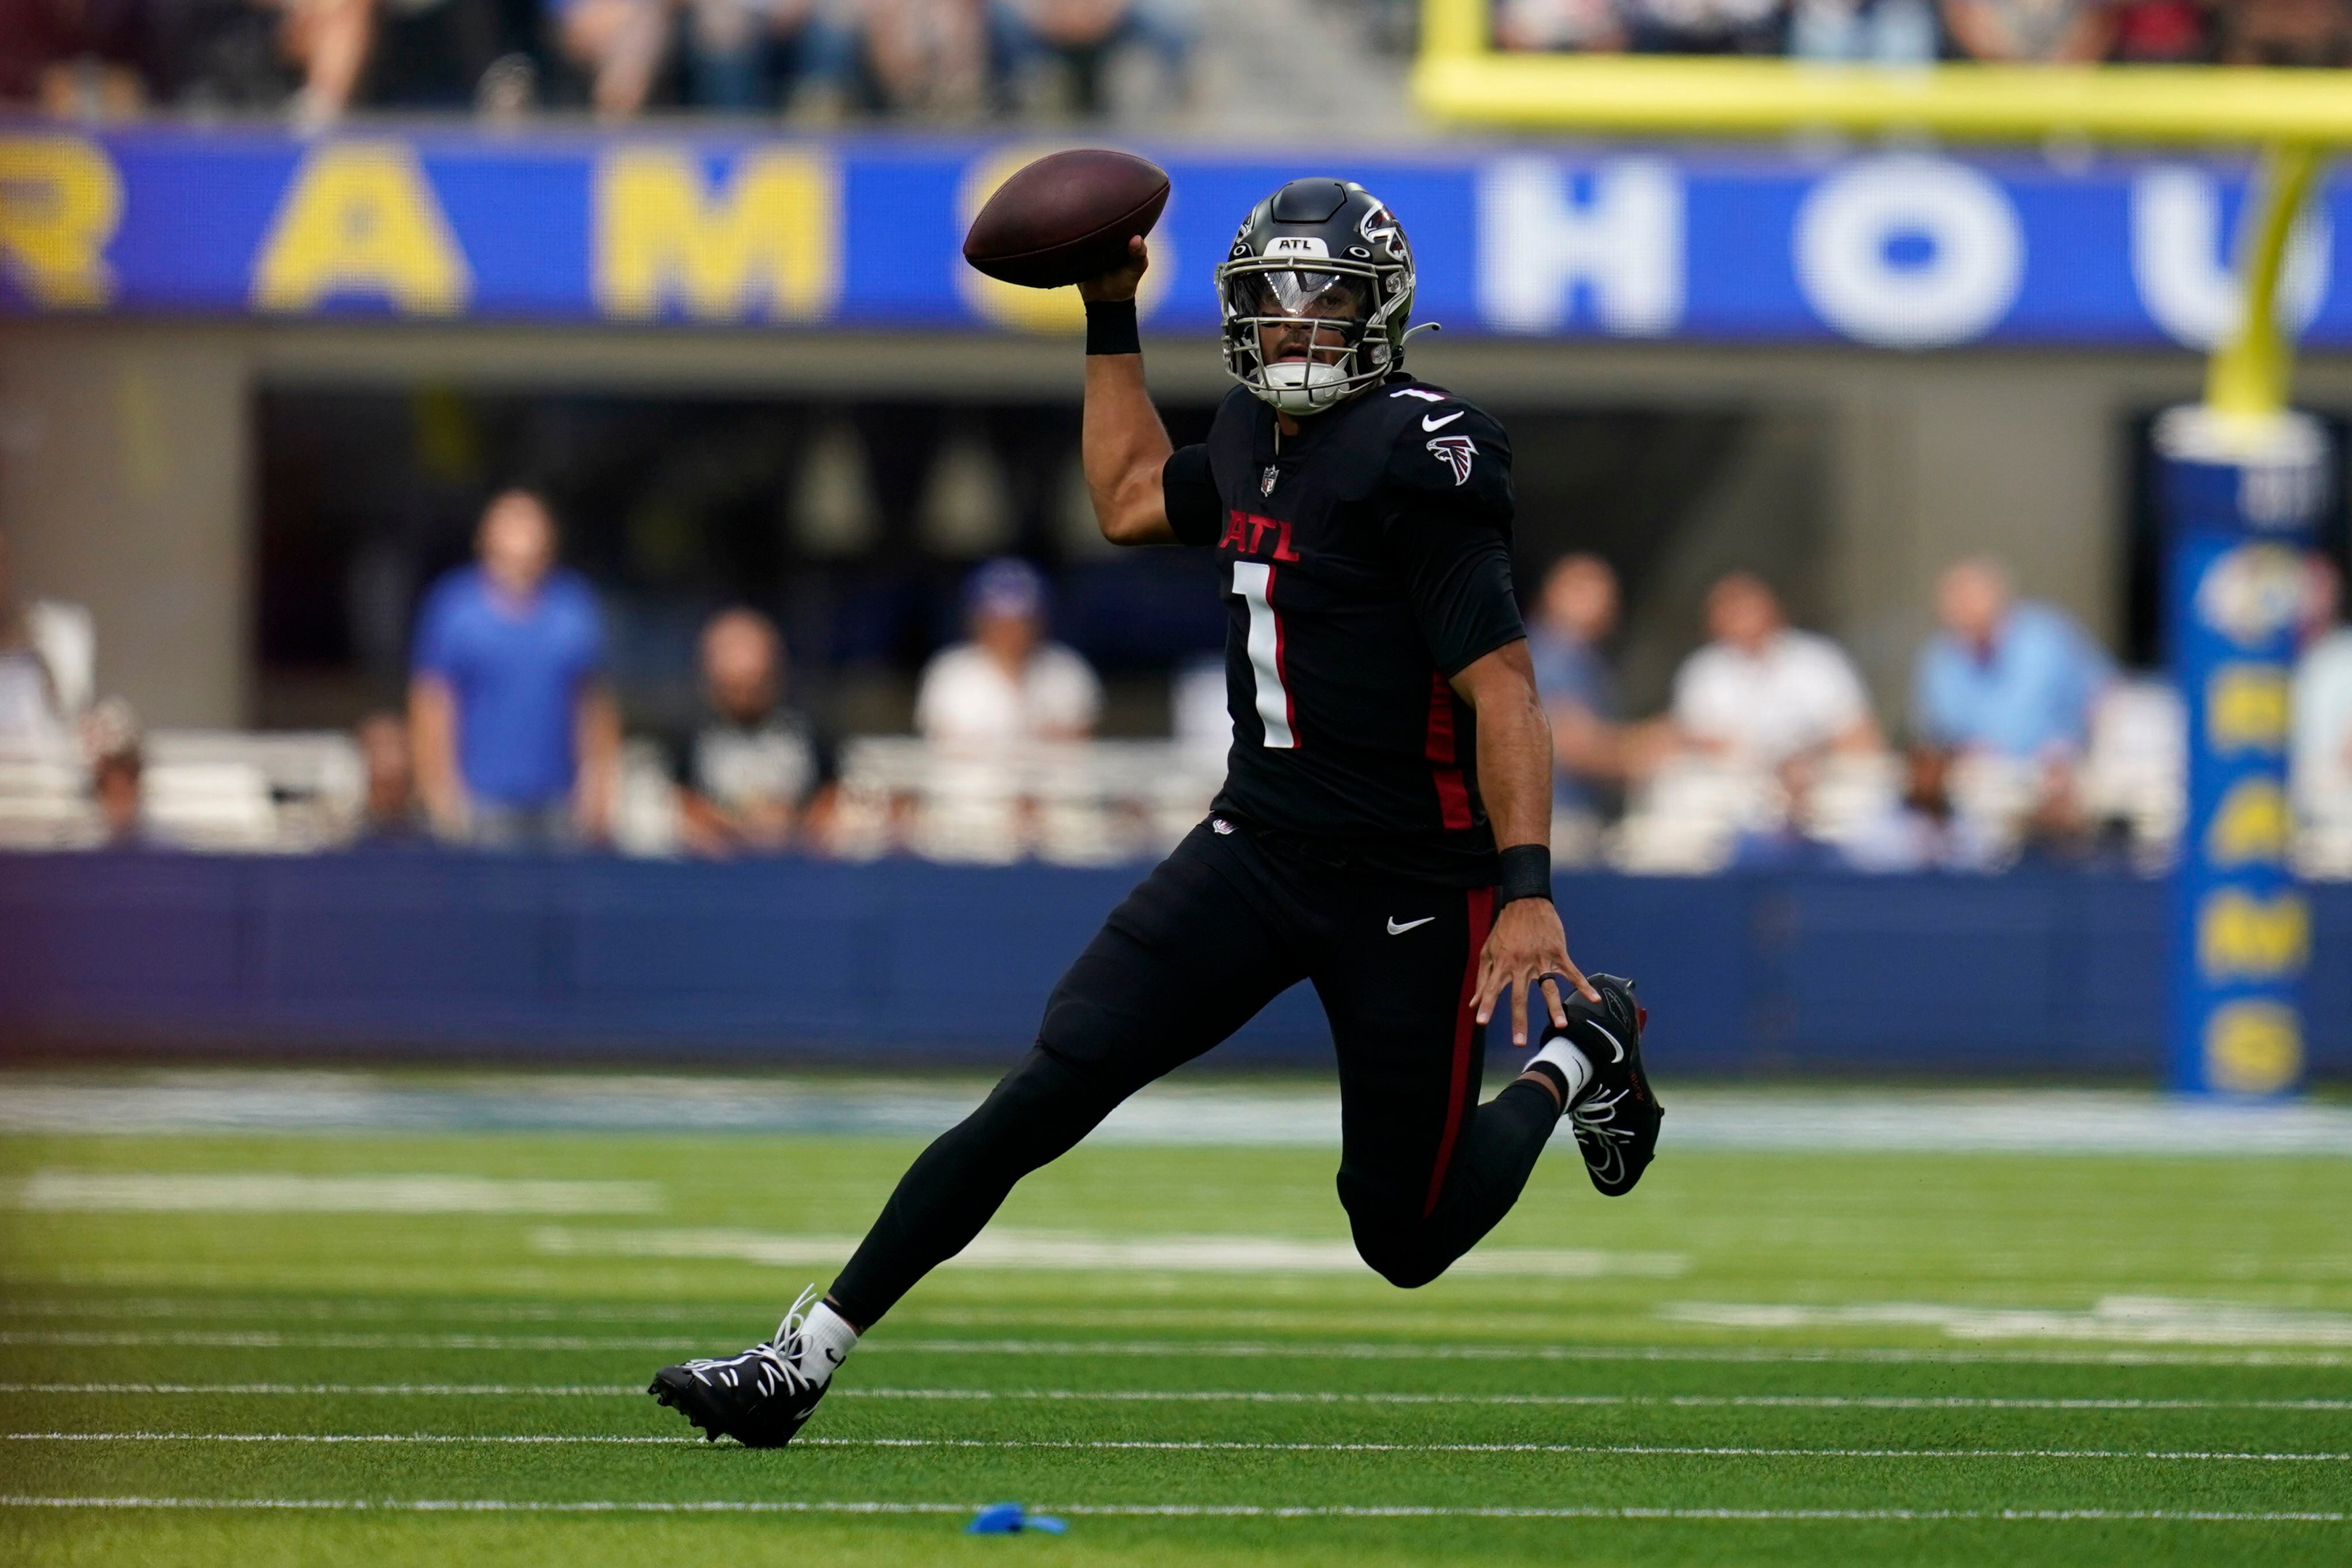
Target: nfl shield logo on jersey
{"points": [[1266, 480], [1455, 452]]}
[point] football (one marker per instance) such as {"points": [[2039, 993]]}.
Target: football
{"points": [[1065, 217]]}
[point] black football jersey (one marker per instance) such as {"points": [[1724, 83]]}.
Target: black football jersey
{"points": [[1365, 561]]}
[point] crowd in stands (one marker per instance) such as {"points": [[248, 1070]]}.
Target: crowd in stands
{"points": [[2316, 33], [2024, 739], [824, 61], [818, 61]]}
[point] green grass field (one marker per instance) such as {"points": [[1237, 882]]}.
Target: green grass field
{"points": [[314, 1356]]}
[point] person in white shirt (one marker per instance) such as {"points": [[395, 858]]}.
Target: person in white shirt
{"points": [[1763, 693], [36, 713], [2320, 765], [1007, 685]]}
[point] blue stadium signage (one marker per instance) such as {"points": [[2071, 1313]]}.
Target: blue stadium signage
{"points": [[1896, 250]]}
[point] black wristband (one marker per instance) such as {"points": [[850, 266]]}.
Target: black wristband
{"points": [[1111, 327], [1526, 874]]}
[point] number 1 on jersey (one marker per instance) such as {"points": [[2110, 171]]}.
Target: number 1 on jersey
{"points": [[1253, 581]]}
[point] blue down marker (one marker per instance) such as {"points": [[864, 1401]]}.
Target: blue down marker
{"points": [[1011, 1519]]}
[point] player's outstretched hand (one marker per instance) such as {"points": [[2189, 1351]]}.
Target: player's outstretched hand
{"points": [[1120, 282], [1525, 946]]}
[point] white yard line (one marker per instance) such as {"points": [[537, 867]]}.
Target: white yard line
{"points": [[1191, 1446], [270, 1191], [1220, 1349], [2134, 1319], [1002, 1247], [270, 1339], [1187, 1510], [338, 1390], [1234, 1114], [1210, 1396], [150, 1308]]}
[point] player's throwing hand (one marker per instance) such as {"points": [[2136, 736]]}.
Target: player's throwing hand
{"points": [[1121, 282]]}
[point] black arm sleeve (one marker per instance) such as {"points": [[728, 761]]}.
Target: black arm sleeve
{"points": [[1458, 574], [1448, 518], [1190, 493]]}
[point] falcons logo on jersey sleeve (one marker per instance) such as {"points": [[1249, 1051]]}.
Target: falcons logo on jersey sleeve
{"points": [[1455, 452]]}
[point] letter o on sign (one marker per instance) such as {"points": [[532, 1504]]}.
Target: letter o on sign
{"points": [[1909, 252]]}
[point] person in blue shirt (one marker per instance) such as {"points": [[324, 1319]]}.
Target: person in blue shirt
{"points": [[1594, 750], [517, 740], [2013, 678]]}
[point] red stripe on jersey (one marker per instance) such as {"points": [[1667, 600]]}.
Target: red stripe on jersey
{"points": [[1282, 666], [1466, 1039], [1452, 794]]}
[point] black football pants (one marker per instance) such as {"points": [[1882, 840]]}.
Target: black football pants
{"points": [[1217, 930]]}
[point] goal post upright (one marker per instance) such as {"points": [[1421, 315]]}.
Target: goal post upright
{"points": [[2241, 475]]}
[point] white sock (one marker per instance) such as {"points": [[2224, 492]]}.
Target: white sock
{"points": [[827, 1340], [1572, 1063]]}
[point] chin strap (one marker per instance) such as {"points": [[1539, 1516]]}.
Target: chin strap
{"points": [[1424, 326]]}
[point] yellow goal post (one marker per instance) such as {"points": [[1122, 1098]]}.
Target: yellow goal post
{"points": [[2295, 116]]}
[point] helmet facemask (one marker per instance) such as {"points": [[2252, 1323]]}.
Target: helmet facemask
{"points": [[1303, 332]]}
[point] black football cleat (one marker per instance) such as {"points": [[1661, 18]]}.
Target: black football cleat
{"points": [[760, 1398], [1616, 1117]]}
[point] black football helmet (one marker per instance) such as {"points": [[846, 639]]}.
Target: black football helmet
{"points": [[1316, 295]]}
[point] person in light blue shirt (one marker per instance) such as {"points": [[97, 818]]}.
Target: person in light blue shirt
{"points": [[517, 741], [1574, 614], [2013, 678]]}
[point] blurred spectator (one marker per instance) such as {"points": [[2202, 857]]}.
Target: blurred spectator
{"points": [[619, 44], [1588, 26], [2017, 678], [752, 56], [452, 54], [261, 54], [517, 743], [33, 713], [77, 57], [2163, 32], [1008, 684], [2287, 32], [1082, 38], [1593, 752], [390, 813], [2321, 765], [1705, 27], [2046, 31], [1762, 693], [757, 777], [927, 57], [1881, 32], [118, 773]]}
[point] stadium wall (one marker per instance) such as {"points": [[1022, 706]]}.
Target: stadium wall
{"points": [[2036, 974]]}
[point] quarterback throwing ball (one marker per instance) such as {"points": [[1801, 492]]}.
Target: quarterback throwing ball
{"points": [[1383, 824]]}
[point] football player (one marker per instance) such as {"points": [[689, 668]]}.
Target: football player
{"points": [[1381, 831]]}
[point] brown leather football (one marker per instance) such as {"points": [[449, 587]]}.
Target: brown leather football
{"points": [[1066, 217]]}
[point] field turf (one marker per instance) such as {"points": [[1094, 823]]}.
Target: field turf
{"points": [[395, 1347]]}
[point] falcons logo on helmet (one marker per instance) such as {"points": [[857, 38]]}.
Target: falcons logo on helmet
{"points": [[1455, 452]]}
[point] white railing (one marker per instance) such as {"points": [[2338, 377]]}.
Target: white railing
{"points": [[1083, 804], [1108, 802]]}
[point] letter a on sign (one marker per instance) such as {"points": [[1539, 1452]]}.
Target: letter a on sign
{"points": [[361, 220]]}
